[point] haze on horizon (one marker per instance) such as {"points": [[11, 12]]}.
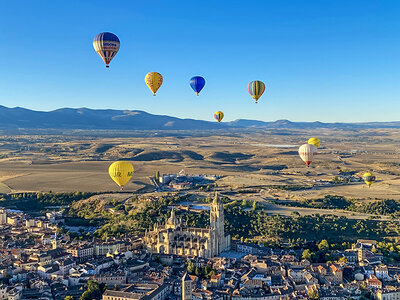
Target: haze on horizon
{"points": [[321, 61]]}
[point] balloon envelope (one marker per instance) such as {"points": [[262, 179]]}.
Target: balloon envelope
{"points": [[256, 89], [121, 172], [218, 115], [106, 45], [153, 80], [306, 153], [197, 83], [369, 178], [314, 141]]}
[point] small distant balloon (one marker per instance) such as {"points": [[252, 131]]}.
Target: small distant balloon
{"points": [[256, 89], [314, 141], [121, 172], [197, 83], [218, 115], [153, 80], [106, 45], [306, 153], [369, 178]]}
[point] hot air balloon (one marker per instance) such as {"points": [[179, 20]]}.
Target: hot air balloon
{"points": [[369, 178], [306, 153], [314, 141], [256, 89], [121, 172], [153, 80], [197, 83], [106, 45], [218, 115]]}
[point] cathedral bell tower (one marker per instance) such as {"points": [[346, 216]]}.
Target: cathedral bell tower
{"points": [[173, 221], [217, 226]]}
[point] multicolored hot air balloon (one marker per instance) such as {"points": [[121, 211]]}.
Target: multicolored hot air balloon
{"points": [[121, 172], [218, 115], [314, 141], [153, 80], [197, 83], [106, 45], [369, 178], [306, 153], [256, 89]]}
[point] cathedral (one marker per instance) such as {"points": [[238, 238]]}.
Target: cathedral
{"points": [[173, 237]]}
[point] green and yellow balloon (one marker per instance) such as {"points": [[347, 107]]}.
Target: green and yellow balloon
{"points": [[218, 115]]}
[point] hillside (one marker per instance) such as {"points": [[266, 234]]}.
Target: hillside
{"points": [[108, 119]]}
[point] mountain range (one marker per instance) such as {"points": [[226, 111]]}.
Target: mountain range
{"points": [[108, 119]]}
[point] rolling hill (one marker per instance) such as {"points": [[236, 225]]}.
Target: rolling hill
{"points": [[108, 119]]}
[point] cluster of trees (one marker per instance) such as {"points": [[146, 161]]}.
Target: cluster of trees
{"points": [[328, 202], [320, 252], [129, 218], [39, 201], [341, 179], [291, 187], [203, 272], [94, 291], [252, 224], [381, 207]]}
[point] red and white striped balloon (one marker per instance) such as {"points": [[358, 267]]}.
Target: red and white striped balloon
{"points": [[307, 152]]}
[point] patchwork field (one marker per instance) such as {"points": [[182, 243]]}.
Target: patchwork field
{"points": [[245, 159]]}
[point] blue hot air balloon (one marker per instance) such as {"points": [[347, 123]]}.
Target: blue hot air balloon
{"points": [[106, 45], [197, 83]]}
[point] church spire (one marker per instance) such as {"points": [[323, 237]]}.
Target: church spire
{"points": [[216, 198], [172, 221]]}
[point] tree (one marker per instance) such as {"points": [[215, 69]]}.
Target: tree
{"points": [[306, 254], [313, 294], [244, 203], [323, 245], [157, 176], [92, 292], [190, 268], [254, 205], [68, 298]]}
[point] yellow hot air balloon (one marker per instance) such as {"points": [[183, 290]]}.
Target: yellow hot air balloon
{"points": [[153, 80], [369, 178], [218, 115], [121, 172], [314, 141]]}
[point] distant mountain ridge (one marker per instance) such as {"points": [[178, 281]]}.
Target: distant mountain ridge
{"points": [[103, 119]]}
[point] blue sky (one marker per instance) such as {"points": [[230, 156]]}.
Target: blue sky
{"points": [[321, 60]]}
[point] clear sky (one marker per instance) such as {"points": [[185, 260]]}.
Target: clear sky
{"points": [[321, 60]]}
